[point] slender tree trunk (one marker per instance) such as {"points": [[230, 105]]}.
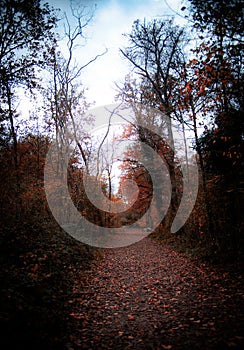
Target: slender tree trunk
{"points": [[15, 148], [186, 152], [210, 225], [11, 119], [175, 200]]}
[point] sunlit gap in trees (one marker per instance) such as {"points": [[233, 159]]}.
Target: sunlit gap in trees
{"points": [[105, 157]]}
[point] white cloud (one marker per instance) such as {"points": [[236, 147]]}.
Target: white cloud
{"points": [[113, 18]]}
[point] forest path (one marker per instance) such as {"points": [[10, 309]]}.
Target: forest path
{"points": [[148, 296]]}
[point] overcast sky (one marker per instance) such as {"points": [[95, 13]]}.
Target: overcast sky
{"points": [[112, 18]]}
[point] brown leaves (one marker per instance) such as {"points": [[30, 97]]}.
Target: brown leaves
{"points": [[149, 294]]}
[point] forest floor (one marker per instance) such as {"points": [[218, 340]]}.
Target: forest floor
{"points": [[148, 296], [59, 294]]}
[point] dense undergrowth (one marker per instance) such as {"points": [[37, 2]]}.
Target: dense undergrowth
{"points": [[38, 268]]}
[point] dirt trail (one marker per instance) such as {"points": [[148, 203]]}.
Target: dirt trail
{"points": [[147, 296]]}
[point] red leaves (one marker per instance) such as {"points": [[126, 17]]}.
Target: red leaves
{"points": [[188, 87], [131, 317]]}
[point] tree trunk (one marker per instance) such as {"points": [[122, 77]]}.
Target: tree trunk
{"points": [[15, 149]]}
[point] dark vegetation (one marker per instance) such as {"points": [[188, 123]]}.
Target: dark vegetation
{"points": [[40, 263]]}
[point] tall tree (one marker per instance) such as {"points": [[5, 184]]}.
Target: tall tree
{"points": [[220, 55], [218, 82], [66, 94], [156, 53], [26, 26]]}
